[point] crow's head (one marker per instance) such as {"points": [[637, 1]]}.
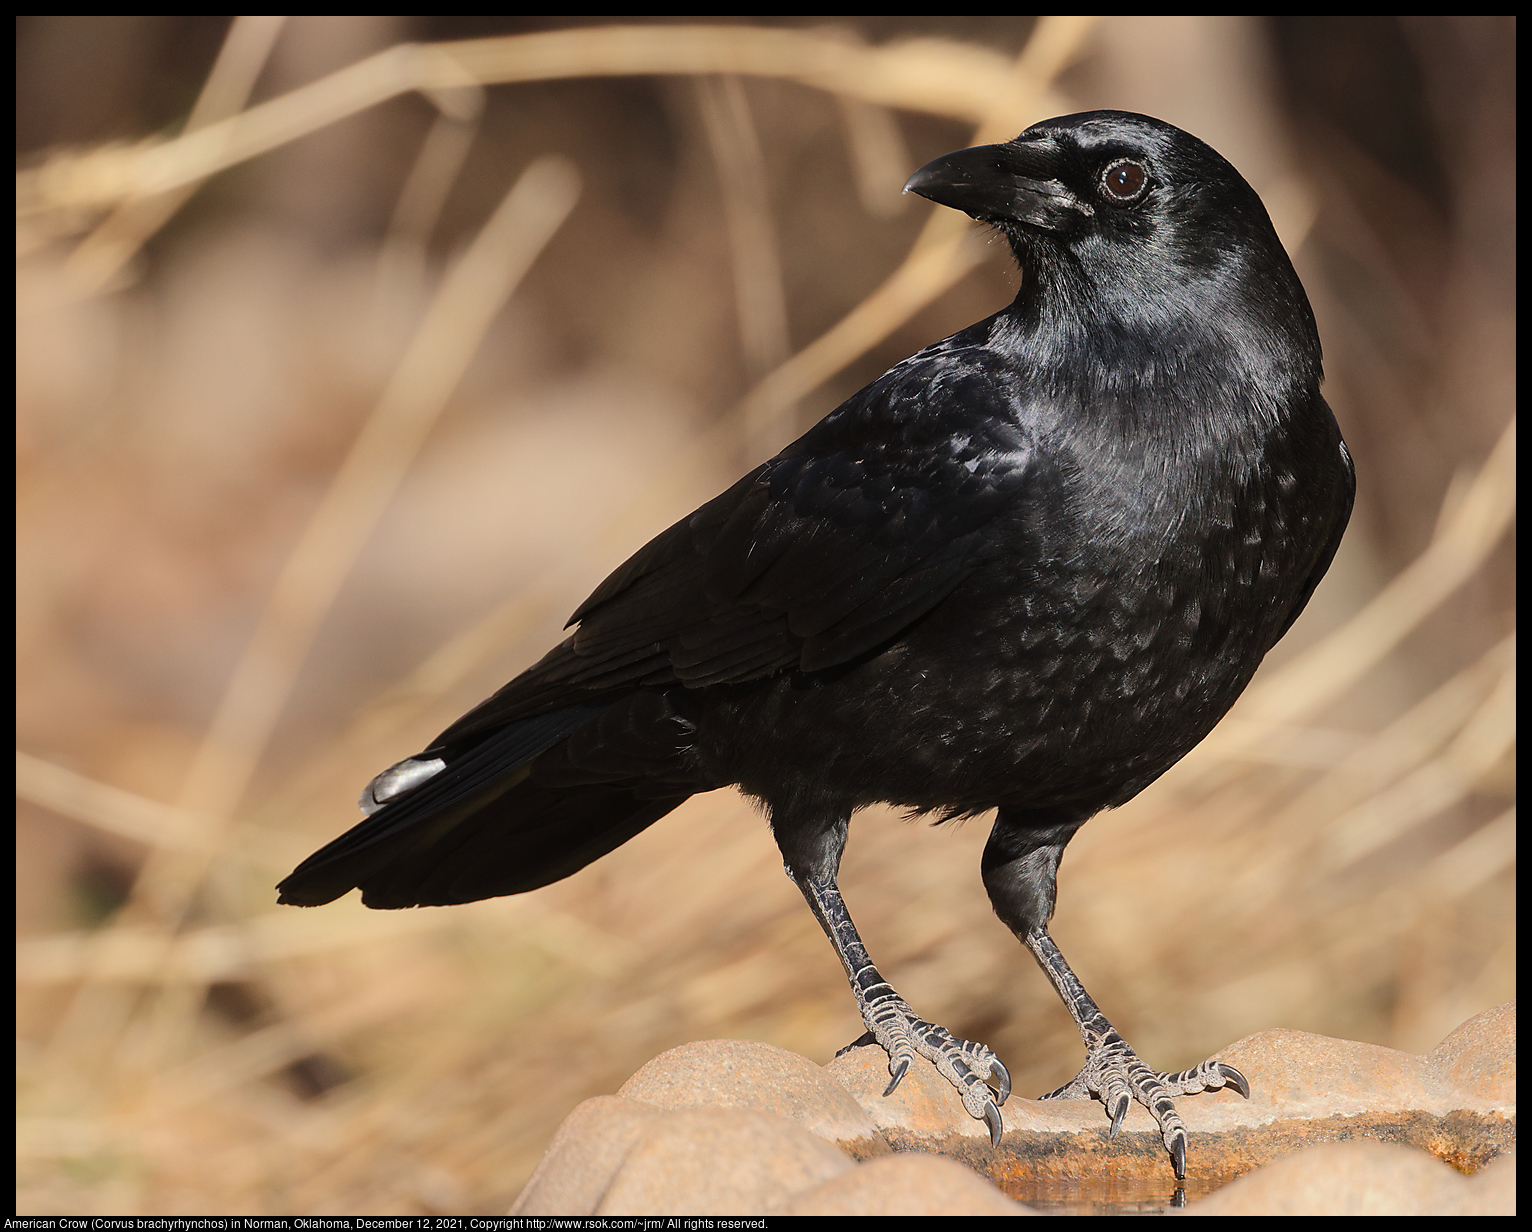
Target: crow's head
{"points": [[1125, 221]]}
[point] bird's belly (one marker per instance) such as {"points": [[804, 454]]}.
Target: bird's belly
{"points": [[1078, 695]]}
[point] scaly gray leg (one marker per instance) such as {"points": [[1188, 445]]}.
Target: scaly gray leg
{"points": [[968, 1066]]}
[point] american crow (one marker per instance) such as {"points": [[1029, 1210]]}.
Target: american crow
{"points": [[1027, 569]]}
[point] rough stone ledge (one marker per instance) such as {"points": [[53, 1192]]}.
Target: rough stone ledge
{"points": [[1457, 1102], [1332, 1127]]}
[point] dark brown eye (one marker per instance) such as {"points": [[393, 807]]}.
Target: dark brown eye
{"points": [[1125, 180]]}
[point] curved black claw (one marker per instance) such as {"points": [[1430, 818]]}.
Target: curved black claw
{"points": [[1178, 1155], [1124, 1102], [1235, 1079], [1002, 1077], [898, 1071], [992, 1119]]}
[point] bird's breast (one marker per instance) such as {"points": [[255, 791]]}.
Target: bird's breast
{"points": [[1084, 658]]}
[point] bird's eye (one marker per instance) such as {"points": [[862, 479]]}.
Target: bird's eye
{"points": [[1125, 180]]}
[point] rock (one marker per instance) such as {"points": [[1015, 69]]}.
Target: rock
{"points": [[704, 1161], [735, 1127], [1315, 1076], [1363, 1178], [906, 1184], [747, 1074], [1492, 1191], [586, 1152], [1457, 1101], [1478, 1060], [615, 1156]]}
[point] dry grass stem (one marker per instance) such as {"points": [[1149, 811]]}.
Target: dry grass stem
{"points": [[939, 78], [110, 246], [476, 289]]}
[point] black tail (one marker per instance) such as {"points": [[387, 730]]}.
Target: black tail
{"points": [[529, 805]]}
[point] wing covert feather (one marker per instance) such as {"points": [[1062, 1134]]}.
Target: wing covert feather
{"points": [[821, 554]]}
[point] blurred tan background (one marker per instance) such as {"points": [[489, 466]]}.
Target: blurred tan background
{"points": [[344, 374]]}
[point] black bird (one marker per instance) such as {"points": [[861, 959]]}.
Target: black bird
{"points": [[1027, 569]]}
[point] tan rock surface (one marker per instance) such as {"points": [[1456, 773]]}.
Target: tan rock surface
{"points": [[1456, 1101], [736, 1127], [719, 1161], [586, 1152], [906, 1184], [1362, 1178], [731, 1073], [1478, 1060]]}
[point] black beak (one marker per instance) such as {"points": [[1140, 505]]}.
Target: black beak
{"points": [[1000, 183]]}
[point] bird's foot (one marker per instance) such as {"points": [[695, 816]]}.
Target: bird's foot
{"points": [[973, 1069], [1114, 1074]]}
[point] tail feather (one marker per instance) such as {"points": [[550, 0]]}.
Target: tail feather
{"points": [[530, 804], [535, 838]]}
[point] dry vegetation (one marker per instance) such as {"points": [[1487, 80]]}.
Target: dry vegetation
{"points": [[338, 394]]}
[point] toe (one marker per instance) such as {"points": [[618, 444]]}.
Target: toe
{"points": [[861, 1041], [1001, 1077], [1235, 1079], [992, 1119], [1119, 1110]]}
